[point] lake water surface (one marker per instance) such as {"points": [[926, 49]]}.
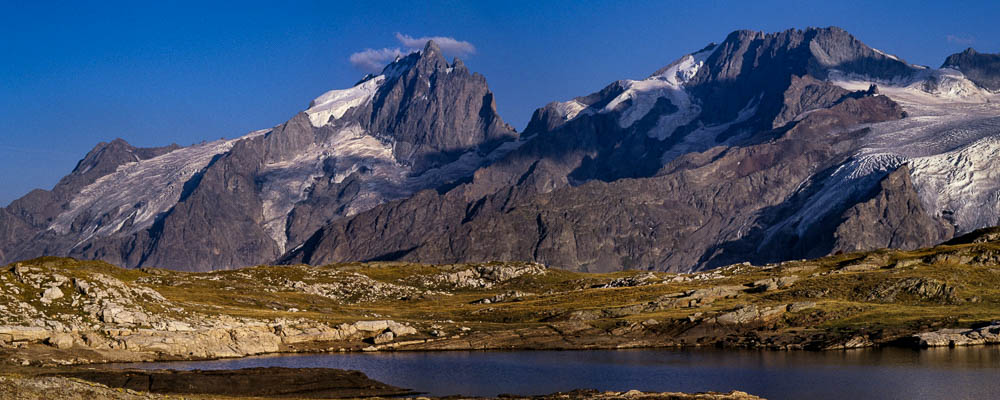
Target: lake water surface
{"points": [[961, 373]]}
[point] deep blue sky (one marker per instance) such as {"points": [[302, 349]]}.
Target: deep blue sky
{"points": [[73, 75]]}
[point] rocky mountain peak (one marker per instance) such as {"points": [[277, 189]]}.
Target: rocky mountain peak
{"points": [[752, 70], [105, 158], [814, 51], [983, 69], [105, 154], [458, 64], [431, 48], [431, 59], [433, 111], [424, 63]]}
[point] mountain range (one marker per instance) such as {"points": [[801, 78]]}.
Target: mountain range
{"points": [[763, 147]]}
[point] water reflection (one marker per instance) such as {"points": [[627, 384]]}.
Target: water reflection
{"points": [[885, 374]]}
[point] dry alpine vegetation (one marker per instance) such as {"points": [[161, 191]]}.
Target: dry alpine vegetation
{"points": [[58, 313]]}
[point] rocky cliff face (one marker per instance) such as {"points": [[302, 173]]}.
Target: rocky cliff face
{"points": [[420, 124], [434, 112]]}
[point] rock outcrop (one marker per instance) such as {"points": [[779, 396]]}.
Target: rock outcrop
{"points": [[893, 217], [989, 334], [751, 314], [923, 289], [99, 312]]}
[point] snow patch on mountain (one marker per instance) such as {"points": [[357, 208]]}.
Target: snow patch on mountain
{"points": [[285, 183], [336, 102], [683, 70], [570, 109], [668, 83], [886, 54], [638, 97]]}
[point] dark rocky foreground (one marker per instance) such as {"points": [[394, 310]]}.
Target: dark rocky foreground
{"points": [[297, 383], [255, 382]]}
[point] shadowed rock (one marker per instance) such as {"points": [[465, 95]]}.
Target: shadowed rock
{"points": [[981, 68]]}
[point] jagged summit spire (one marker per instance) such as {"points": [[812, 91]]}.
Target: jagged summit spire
{"points": [[429, 59], [432, 47]]}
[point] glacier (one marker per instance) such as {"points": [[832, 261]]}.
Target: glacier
{"points": [[950, 142]]}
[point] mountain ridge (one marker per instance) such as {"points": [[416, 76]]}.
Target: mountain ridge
{"points": [[712, 159]]}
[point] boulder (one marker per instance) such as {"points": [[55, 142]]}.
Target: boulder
{"points": [[60, 341], [769, 284], [401, 330], [115, 314], [855, 342], [384, 337], [81, 286], [51, 294], [23, 333], [372, 326], [750, 314], [799, 306]]}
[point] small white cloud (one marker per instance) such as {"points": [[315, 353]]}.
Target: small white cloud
{"points": [[963, 40], [447, 44], [373, 60]]}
